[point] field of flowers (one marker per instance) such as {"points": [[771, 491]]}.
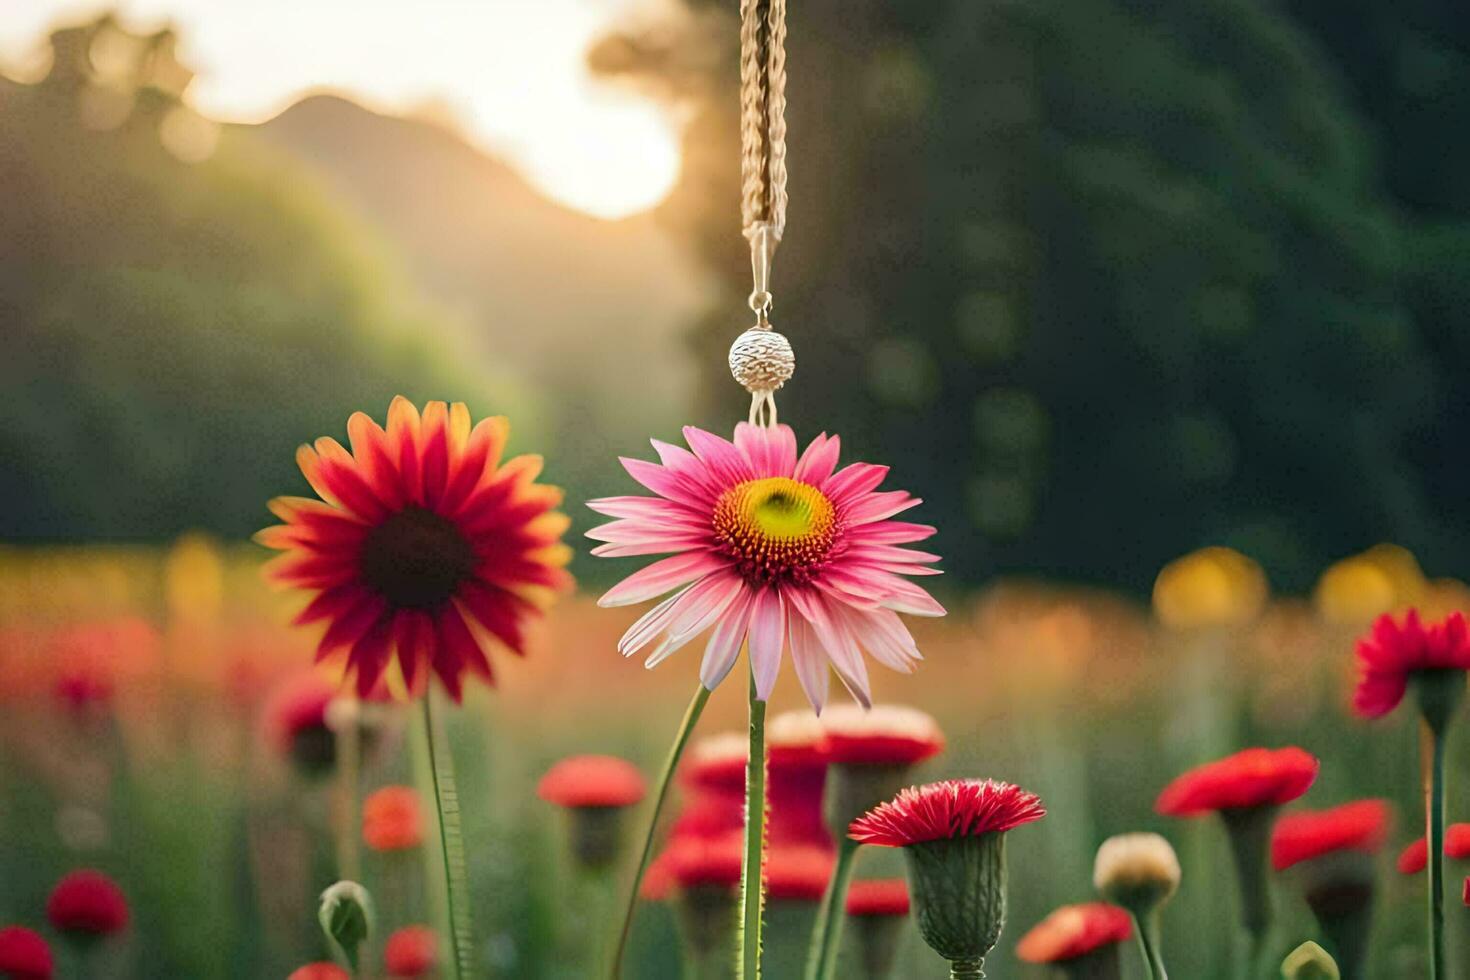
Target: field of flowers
{"points": [[162, 725]]}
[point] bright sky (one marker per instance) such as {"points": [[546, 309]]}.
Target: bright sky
{"points": [[512, 71]]}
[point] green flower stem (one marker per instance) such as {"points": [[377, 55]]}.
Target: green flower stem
{"points": [[1434, 806], [451, 839], [349, 764], [665, 780], [827, 933], [967, 970], [1249, 829], [1148, 940], [752, 864]]}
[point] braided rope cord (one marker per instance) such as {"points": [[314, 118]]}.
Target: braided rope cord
{"points": [[763, 115]]}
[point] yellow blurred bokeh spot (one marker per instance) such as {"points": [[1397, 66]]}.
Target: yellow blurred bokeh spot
{"points": [[1209, 588]]}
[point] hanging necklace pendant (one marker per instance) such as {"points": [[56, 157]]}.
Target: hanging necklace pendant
{"points": [[761, 359]]}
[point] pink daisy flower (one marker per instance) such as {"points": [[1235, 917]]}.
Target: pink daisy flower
{"points": [[771, 549], [1396, 651]]}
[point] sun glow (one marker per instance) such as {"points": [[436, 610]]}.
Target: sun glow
{"points": [[510, 72]]}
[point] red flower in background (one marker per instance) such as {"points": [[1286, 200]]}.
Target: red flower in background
{"points": [[1251, 778], [87, 902], [886, 735], [714, 862], [412, 951], [294, 721], [952, 808], [796, 777], [1393, 651], [1415, 857], [1362, 826], [878, 897], [798, 872], [592, 781], [718, 763], [423, 546], [393, 819], [1075, 930], [319, 971], [24, 955]]}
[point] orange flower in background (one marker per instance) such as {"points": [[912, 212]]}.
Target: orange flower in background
{"points": [[1250, 778], [392, 819], [412, 951], [89, 660], [24, 955], [1396, 650], [1415, 856], [592, 781], [424, 546], [87, 903], [1075, 930], [1360, 826], [878, 897]]}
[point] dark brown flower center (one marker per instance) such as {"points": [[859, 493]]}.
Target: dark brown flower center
{"points": [[416, 559]]}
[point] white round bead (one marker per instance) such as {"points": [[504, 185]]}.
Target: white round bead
{"points": [[762, 360]]}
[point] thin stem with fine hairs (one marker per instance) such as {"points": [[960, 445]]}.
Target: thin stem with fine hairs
{"points": [[752, 864], [827, 933], [451, 838], [665, 779]]}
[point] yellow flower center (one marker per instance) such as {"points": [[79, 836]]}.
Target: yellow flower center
{"points": [[775, 529]]}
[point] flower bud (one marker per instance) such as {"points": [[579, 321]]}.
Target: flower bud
{"points": [[1309, 962], [346, 916], [1140, 872]]}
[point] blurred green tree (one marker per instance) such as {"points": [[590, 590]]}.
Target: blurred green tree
{"points": [[1104, 280], [179, 307]]}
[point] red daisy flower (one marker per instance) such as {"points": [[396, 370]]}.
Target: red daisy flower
{"points": [[1075, 930], [1394, 651], [878, 897], [952, 808], [423, 546], [412, 951], [319, 971], [24, 955], [886, 735], [89, 903], [1362, 826], [798, 872], [1251, 778], [592, 781], [1415, 857], [393, 819]]}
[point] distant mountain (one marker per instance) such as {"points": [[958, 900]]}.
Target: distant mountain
{"points": [[596, 308]]}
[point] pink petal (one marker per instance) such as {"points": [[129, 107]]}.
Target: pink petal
{"points": [[770, 451], [721, 456], [649, 625], [723, 648], [852, 482], [876, 641], [888, 553], [663, 482], [879, 506], [629, 531], [909, 598], [660, 577], [767, 634], [846, 659], [819, 460], [699, 607], [653, 509], [891, 532], [809, 660]]}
